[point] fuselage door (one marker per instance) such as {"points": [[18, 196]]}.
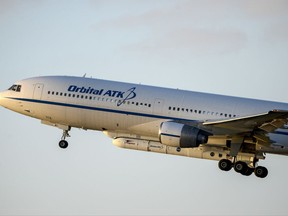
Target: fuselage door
{"points": [[38, 89], [158, 106]]}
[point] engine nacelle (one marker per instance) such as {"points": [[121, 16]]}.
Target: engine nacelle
{"points": [[181, 135]]}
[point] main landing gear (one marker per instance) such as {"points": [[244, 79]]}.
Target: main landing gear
{"points": [[63, 143], [242, 168]]}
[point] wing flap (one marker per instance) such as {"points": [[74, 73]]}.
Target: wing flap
{"points": [[272, 126]]}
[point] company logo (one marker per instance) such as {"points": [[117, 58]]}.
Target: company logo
{"points": [[123, 96]]}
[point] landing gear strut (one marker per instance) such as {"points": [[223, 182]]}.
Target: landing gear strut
{"points": [[63, 143]]}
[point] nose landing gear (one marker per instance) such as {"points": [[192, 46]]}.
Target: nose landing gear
{"points": [[63, 143]]}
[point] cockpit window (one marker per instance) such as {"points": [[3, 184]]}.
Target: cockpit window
{"points": [[16, 88], [13, 88]]}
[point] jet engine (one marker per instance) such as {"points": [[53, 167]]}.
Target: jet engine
{"points": [[181, 135]]}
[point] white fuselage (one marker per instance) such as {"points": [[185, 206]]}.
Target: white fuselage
{"points": [[123, 108]]}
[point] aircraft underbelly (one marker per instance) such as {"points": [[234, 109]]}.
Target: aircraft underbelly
{"points": [[101, 120]]}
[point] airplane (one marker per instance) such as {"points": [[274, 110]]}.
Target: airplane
{"points": [[236, 132]]}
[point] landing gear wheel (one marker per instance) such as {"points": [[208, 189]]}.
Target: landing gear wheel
{"points": [[225, 165], [240, 167], [249, 171], [261, 172], [63, 144]]}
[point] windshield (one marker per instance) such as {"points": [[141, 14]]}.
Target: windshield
{"points": [[16, 88]]}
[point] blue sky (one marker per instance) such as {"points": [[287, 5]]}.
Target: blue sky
{"points": [[227, 47]]}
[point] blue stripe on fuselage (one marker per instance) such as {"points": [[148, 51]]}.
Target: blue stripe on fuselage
{"points": [[98, 109], [115, 111]]}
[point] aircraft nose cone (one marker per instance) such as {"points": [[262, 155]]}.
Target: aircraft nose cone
{"points": [[1, 99]]}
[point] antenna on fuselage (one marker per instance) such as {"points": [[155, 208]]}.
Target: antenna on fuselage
{"points": [[84, 75]]}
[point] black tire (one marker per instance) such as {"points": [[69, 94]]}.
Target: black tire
{"points": [[249, 171], [240, 167], [225, 165], [261, 172], [63, 144]]}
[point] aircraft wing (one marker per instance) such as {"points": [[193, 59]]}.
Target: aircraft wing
{"points": [[267, 122]]}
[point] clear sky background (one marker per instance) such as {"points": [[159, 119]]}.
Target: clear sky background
{"points": [[227, 47]]}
